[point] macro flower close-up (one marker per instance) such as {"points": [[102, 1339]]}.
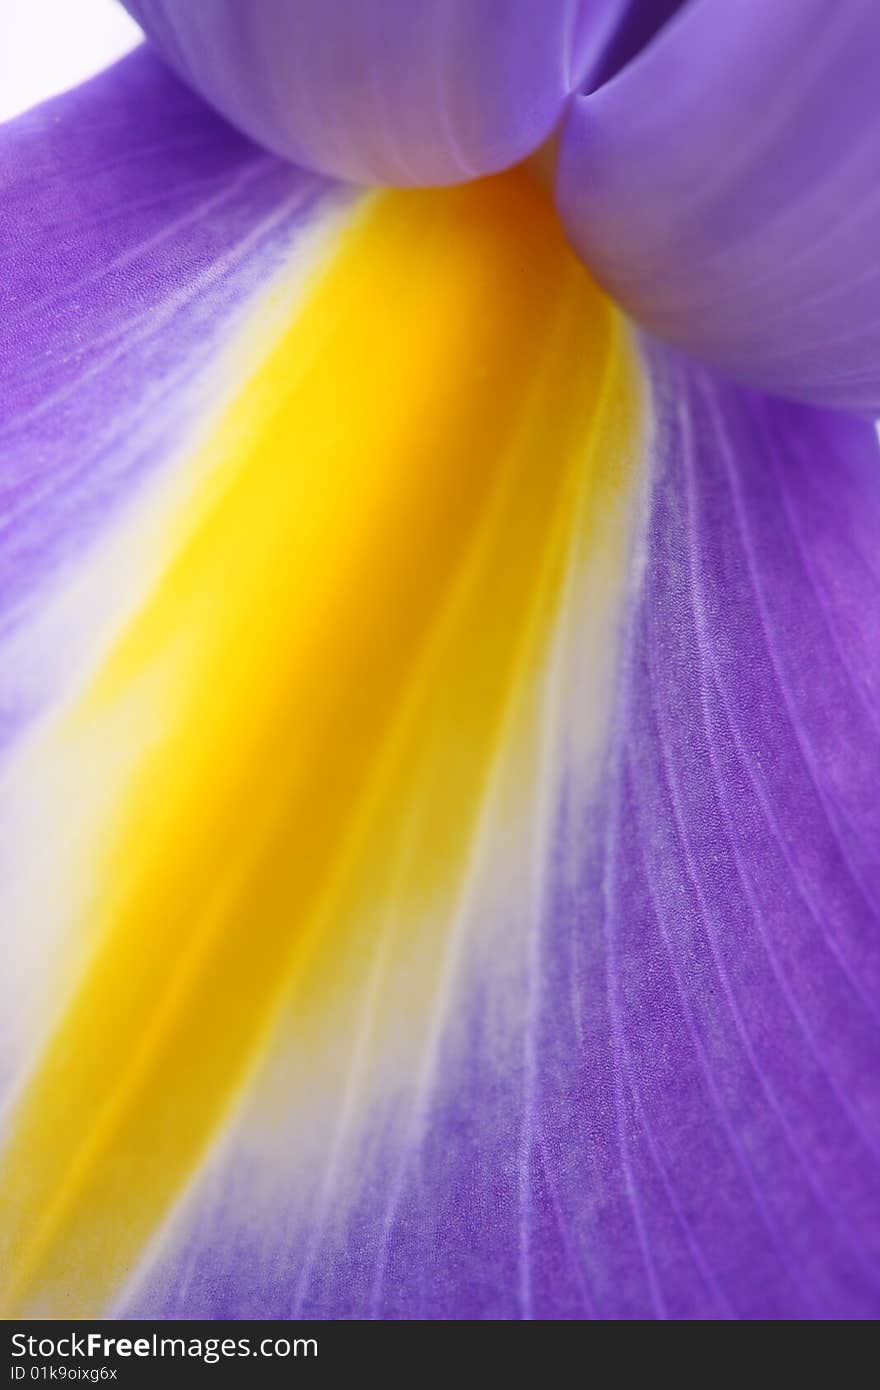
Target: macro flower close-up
{"points": [[440, 659]]}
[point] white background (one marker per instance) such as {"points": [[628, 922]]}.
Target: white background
{"points": [[47, 46]]}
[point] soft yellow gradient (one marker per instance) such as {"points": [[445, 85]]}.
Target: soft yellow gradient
{"points": [[350, 632]]}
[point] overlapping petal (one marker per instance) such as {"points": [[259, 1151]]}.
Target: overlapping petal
{"points": [[725, 188], [390, 91]]}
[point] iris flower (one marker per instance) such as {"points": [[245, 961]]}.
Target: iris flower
{"points": [[441, 656]]}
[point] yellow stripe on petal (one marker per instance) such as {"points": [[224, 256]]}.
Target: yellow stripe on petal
{"points": [[303, 723]]}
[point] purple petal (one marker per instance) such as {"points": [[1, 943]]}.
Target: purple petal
{"points": [[668, 1105], [725, 188], [135, 227], [390, 91], [687, 1121]]}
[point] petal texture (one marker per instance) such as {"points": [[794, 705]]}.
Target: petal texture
{"points": [[725, 188], [390, 91], [651, 1090], [306, 766], [471, 905]]}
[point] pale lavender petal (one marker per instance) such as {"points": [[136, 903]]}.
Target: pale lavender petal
{"points": [[725, 188], [687, 1121], [389, 91]]}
